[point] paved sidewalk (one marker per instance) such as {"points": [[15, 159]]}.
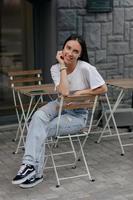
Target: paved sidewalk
{"points": [[113, 174]]}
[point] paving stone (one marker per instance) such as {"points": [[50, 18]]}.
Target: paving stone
{"points": [[113, 173]]}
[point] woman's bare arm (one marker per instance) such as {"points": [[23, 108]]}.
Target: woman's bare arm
{"points": [[63, 87], [97, 91]]}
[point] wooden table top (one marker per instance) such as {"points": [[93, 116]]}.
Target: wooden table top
{"points": [[122, 83], [35, 90]]}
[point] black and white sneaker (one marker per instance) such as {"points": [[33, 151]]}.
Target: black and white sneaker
{"points": [[31, 182], [25, 172]]}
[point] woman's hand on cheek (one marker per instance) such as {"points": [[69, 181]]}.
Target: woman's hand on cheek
{"points": [[59, 57]]}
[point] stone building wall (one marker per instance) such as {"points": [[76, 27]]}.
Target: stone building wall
{"points": [[109, 36]]}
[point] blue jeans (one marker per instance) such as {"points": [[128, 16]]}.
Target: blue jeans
{"points": [[42, 126]]}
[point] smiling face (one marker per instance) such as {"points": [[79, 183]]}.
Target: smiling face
{"points": [[71, 52]]}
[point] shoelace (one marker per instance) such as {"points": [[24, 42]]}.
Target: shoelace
{"points": [[21, 169]]}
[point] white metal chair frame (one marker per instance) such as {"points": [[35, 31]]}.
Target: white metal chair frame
{"points": [[72, 102], [111, 116], [17, 79]]}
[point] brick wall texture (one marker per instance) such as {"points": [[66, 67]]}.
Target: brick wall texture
{"points": [[109, 36]]}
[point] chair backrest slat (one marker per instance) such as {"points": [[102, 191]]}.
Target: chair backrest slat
{"points": [[26, 80], [25, 77], [80, 101], [24, 72], [77, 106]]}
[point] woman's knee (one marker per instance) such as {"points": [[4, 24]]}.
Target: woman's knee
{"points": [[39, 114]]}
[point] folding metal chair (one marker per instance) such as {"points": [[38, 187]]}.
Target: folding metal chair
{"points": [[72, 102], [18, 79]]}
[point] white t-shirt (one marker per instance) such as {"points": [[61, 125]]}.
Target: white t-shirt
{"points": [[84, 76]]}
